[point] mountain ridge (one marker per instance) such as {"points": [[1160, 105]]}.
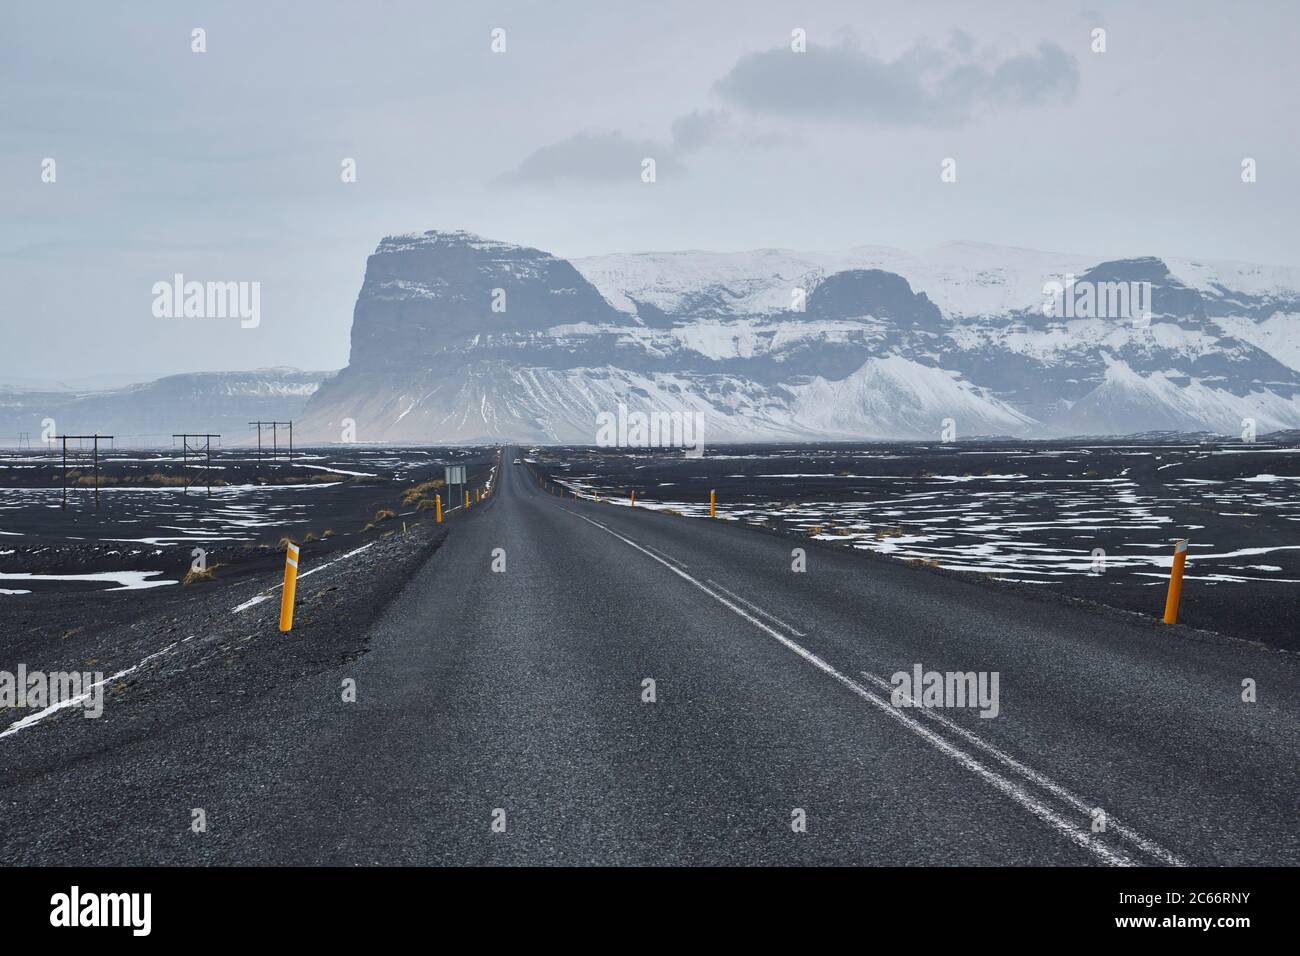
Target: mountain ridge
{"points": [[775, 344], [460, 338]]}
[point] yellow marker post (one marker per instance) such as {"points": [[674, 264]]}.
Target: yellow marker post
{"points": [[466, 497], [478, 496], [634, 499], [290, 587], [437, 504], [1176, 582], [713, 502]]}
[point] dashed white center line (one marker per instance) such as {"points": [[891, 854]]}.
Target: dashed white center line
{"points": [[1041, 780], [756, 609], [665, 555]]}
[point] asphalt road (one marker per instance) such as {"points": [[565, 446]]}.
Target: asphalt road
{"points": [[517, 698]]}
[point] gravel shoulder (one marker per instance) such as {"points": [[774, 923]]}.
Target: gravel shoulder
{"points": [[188, 667]]}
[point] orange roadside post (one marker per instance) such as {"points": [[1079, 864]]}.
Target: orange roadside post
{"points": [[1176, 582], [290, 587]]}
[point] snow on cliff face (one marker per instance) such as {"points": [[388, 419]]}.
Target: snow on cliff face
{"points": [[899, 398], [776, 344], [963, 279], [903, 400], [1270, 282], [1278, 335], [1159, 403]]}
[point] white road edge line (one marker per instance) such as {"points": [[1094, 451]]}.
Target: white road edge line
{"points": [[1008, 787], [266, 595], [33, 719]]}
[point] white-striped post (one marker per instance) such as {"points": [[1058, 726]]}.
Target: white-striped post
{"points": [[290, 587]]}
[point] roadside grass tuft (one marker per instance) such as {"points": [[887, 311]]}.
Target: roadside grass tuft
{"points": [[164, 481], [416, 492], [194, 577]]}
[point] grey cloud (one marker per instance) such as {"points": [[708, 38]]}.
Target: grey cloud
{"points": [[609, 156], [926, 86], [697, 129], [962, 42], [590, 157]]}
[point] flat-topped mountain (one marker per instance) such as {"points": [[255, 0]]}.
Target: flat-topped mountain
{"points": [[459, 338]]}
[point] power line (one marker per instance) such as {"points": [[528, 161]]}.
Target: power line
{"points": [[78, 453], [204, 450], [275, 438]]}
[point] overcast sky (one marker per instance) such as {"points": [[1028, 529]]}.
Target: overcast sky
{"points": [[225, 165]]}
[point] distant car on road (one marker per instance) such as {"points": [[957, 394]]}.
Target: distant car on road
{"points": [[518, 461]]}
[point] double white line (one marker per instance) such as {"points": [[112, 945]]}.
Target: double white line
{"points": [[1077, 831]]}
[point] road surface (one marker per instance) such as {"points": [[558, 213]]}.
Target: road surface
{"points": [[502, 717]]}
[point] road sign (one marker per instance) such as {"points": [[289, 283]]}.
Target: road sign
{"points": [[454, 475]]}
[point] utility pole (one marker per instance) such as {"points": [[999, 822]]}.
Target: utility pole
{"points": [[275, 438], [76, 454], [204, 449]]}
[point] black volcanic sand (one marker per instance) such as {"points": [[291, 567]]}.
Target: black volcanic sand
{"points": [[207, 646], [170, 664], [1027, 515], [142, 525]]}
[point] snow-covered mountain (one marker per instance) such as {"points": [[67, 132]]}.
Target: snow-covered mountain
{"points": [[148, 413], [458, 338]]}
